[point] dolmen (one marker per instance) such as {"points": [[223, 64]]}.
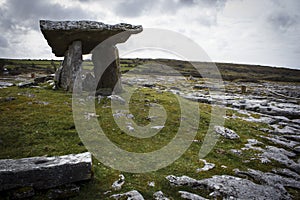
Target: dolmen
{"points": [[72, 39]]}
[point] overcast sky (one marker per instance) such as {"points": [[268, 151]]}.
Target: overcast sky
{"points": [[263, 32]]}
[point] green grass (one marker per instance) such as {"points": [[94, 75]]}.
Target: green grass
{"points": [[29, 128]]}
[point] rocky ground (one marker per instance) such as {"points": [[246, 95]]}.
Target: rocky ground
{"points": [[274, 104]]}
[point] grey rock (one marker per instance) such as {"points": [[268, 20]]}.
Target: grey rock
{"points": [[116, 98], [71, 66], [59, 34], [230, 187], [236, 152], [26, 84], [251, 145], [43, 79], [117, 185], [269, 178], [287, 173], [282, 156], [107, 69], [191, 196], [159, 195], [226, 132], [45, 172], [132, 195], [207, 166], [282, 141], [5, 84]]}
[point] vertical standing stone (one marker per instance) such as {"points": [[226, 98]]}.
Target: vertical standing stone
{"points": [[71, 66], [107, 69]]}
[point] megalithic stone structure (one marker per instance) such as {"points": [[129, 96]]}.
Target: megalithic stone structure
{"points": [[72, 39]]}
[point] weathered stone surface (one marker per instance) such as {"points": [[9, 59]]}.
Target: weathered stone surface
{"points": [[191, 196], [226, 132], [230, 187], [207, 166], [117, 185], [26, 84], [132, 195], [159, 195], [71, 67], [60, 34], [5, 84], [44, 172], [107, 69], [270, 178]]}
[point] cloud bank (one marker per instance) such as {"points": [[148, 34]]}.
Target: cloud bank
{"points": [[243, 31]]}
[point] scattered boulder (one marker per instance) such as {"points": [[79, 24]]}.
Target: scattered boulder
{"points": [[26, 84], [117, 185], [159, 195], [269, 178], [226, 132], [43, 79], [5, 84], [45, 172], [207, 166], [132, 195], [191, 196], [230, 187]]}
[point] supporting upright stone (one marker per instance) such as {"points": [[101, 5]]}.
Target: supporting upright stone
{"points": [[107, 69], [71, 66]]}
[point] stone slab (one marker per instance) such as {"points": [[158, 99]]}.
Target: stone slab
{"points": [[60, 34], [45, 172]]}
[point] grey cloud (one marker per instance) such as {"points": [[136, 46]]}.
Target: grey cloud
{"points": [[26, 14], [135, 8], [132, 8], [3, 42], [283, 21]]}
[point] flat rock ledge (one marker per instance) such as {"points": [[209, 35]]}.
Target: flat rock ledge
{"points": [[45, 172], [230, 187]]}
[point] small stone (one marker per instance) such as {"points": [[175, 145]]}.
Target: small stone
{"points": [[236, 152], [117, 185], [191, 196], [226, 132], [151, 184], [26, 84], [159, 195], [157, 127], [207, 166], [132, 195]]}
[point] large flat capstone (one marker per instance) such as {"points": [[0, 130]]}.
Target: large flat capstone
{"points": [[45, 172], [60, 34]]}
